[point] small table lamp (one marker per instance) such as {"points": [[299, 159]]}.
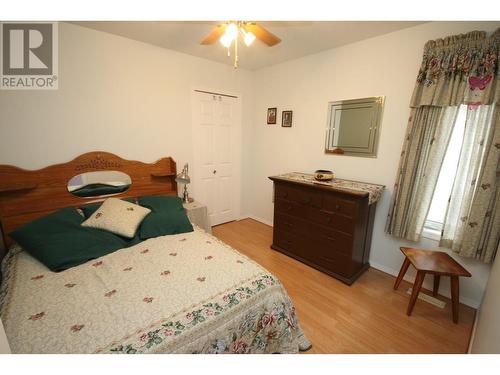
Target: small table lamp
{"points": [[183, 178]]}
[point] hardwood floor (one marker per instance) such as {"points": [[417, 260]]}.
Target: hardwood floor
{"points": [[366, 317]]}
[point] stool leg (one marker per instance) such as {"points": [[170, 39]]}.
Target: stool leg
{"points": [[402, 271], [435, 290], [416, 289], [455, 297]]}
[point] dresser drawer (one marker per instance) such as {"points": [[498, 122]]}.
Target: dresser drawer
{"points": [[340, 206], [291, 242], [299, 195], [334, 241], [290, 208], [291, 224], [333, 261], [332, 220]]}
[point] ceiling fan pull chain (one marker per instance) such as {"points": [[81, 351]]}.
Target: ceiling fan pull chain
{"points": [[236, 53]]}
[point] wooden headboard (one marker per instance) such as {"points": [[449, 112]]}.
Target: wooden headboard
{"points": [[26, 195]]}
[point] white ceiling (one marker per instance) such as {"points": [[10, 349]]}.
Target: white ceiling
{"points": [[298, 38]]}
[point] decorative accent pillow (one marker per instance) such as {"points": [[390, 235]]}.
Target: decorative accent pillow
{"points": [[167, 217], [117, 216], [60, 242], [90, 208]]}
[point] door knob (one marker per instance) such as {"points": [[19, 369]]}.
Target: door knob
{"points": [[214, 172]]}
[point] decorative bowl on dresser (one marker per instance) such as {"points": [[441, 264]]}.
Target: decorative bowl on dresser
{"points": [[327, 225], [323, 175]]}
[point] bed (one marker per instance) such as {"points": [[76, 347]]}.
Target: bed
{"points": [[183, 293]]}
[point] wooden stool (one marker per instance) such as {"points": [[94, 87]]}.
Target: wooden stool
{"points": [[437, 263]]}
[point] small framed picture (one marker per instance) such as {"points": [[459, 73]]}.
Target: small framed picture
{"points": [[271, 115], [286, 119]]}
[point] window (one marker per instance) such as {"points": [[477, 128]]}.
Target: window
{"points": [[437, 211]]}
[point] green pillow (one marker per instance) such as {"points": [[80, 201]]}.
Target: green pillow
{"points": [[167, 217], [134, 240], [90, 208], [95, 190], [60, 242]]}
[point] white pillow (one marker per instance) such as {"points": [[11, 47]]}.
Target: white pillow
{"points": [[117, 216]]}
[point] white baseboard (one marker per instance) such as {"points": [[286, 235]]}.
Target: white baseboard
{"points": [[263, 221], [466, 301], [473, 334]]}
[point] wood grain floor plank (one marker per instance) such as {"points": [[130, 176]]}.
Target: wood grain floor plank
{"points": [[366, 317]]}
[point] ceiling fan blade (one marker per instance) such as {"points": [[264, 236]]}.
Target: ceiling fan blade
{"points": [[214, 35], [262, 34]]}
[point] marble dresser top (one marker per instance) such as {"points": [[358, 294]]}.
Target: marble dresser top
{"points": [[374, 191]]}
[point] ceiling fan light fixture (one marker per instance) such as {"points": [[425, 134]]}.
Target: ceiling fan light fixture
{"points": [[231, 31], [226, 40], [248, 37]]}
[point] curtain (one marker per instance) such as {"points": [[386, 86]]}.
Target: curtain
{"points": [[472, 222], [460, 69], [456, 70], [427, 137]]}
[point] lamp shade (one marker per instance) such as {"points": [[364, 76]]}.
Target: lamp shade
{"points": [[183, 177]]}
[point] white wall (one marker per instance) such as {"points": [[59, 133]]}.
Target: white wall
{"points": [[385, 65], [115, 94], [486, 338]]}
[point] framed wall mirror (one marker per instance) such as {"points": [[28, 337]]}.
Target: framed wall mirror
{"points": [[353, 126]]}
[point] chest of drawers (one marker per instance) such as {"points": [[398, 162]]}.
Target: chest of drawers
{"points": [[328, 229]]}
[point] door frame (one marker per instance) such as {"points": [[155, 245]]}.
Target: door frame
{"points": [[237, 150]]}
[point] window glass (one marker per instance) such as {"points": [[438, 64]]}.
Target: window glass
{"points": [[437, 211]]}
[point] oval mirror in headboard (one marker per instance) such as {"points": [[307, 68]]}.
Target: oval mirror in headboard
{"points": [[99, 183]]}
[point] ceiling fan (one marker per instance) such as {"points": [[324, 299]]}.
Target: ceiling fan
{"points": [[230, 32]]}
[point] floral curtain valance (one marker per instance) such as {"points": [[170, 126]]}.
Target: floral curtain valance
{"points": [[460, 69]]}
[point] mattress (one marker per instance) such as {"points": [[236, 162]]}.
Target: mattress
{"points": [[186, 293]]}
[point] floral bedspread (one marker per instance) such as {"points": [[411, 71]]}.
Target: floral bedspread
{"points": [[187, 293]]}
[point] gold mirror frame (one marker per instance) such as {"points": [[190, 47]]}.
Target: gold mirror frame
{"points": [[369, 149]]}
